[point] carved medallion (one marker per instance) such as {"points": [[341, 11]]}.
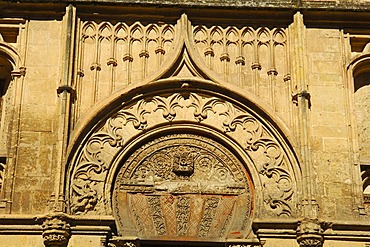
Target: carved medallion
{"points": [[182, 185]]}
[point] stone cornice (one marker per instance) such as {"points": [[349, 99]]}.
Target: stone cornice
{"points": [[282, 4], [20, 224], [316, 13]]}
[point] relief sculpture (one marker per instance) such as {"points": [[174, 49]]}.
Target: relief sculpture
{"points": [[183, 178]]}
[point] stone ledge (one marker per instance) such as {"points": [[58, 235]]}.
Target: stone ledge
{"points": [[19, 224], [248, 4]]}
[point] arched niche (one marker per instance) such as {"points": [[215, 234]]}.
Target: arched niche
{"points": [[360, 69], [9, 60], [102, 175]]}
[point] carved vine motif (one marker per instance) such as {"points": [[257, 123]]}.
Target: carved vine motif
{"points": [[183, 215], [209, 212], [158, 219], [279, 191], [90, 173]]}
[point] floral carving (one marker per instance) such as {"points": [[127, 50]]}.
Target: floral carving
{"points": [[156, 211], [168, 105], [208, 216], [202, 107], [183, 215]]}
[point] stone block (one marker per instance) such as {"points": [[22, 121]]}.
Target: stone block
{"points": [[83, 240], [336, 145], [37, 117], [21, 240]]}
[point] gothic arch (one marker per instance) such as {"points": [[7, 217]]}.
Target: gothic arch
{"points": [[273, 168], [190, 101]]}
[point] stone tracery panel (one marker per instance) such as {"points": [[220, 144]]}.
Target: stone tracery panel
{"points": [[115, 55], [268, 157], [254, 59]]}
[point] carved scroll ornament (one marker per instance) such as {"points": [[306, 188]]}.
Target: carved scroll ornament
{"points": [[269, 158]]}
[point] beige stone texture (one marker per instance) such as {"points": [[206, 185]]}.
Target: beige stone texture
{"points": [[21, 240], [172, 124]]}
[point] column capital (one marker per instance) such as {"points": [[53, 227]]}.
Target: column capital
{"points": [[56, 230]]}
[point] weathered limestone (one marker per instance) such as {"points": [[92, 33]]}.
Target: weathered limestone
{"points": [[130, 123]]}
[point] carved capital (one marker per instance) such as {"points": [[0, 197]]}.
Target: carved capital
{"points": [[19, 73], [225, 57], [80, 73], [240, 60], [112, 61], [287, 77], [256, 65], [144, 53], [309, 233], [310, 240], [209, 52], [56, 230], [160, 50], [127, 57], [272, 71], [95, 66]]}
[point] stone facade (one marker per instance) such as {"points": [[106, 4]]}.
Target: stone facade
{"points": [[184, 123]]}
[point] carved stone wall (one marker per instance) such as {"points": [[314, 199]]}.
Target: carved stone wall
{"points": [[135, 124], [272, 167], [112, 55]]}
